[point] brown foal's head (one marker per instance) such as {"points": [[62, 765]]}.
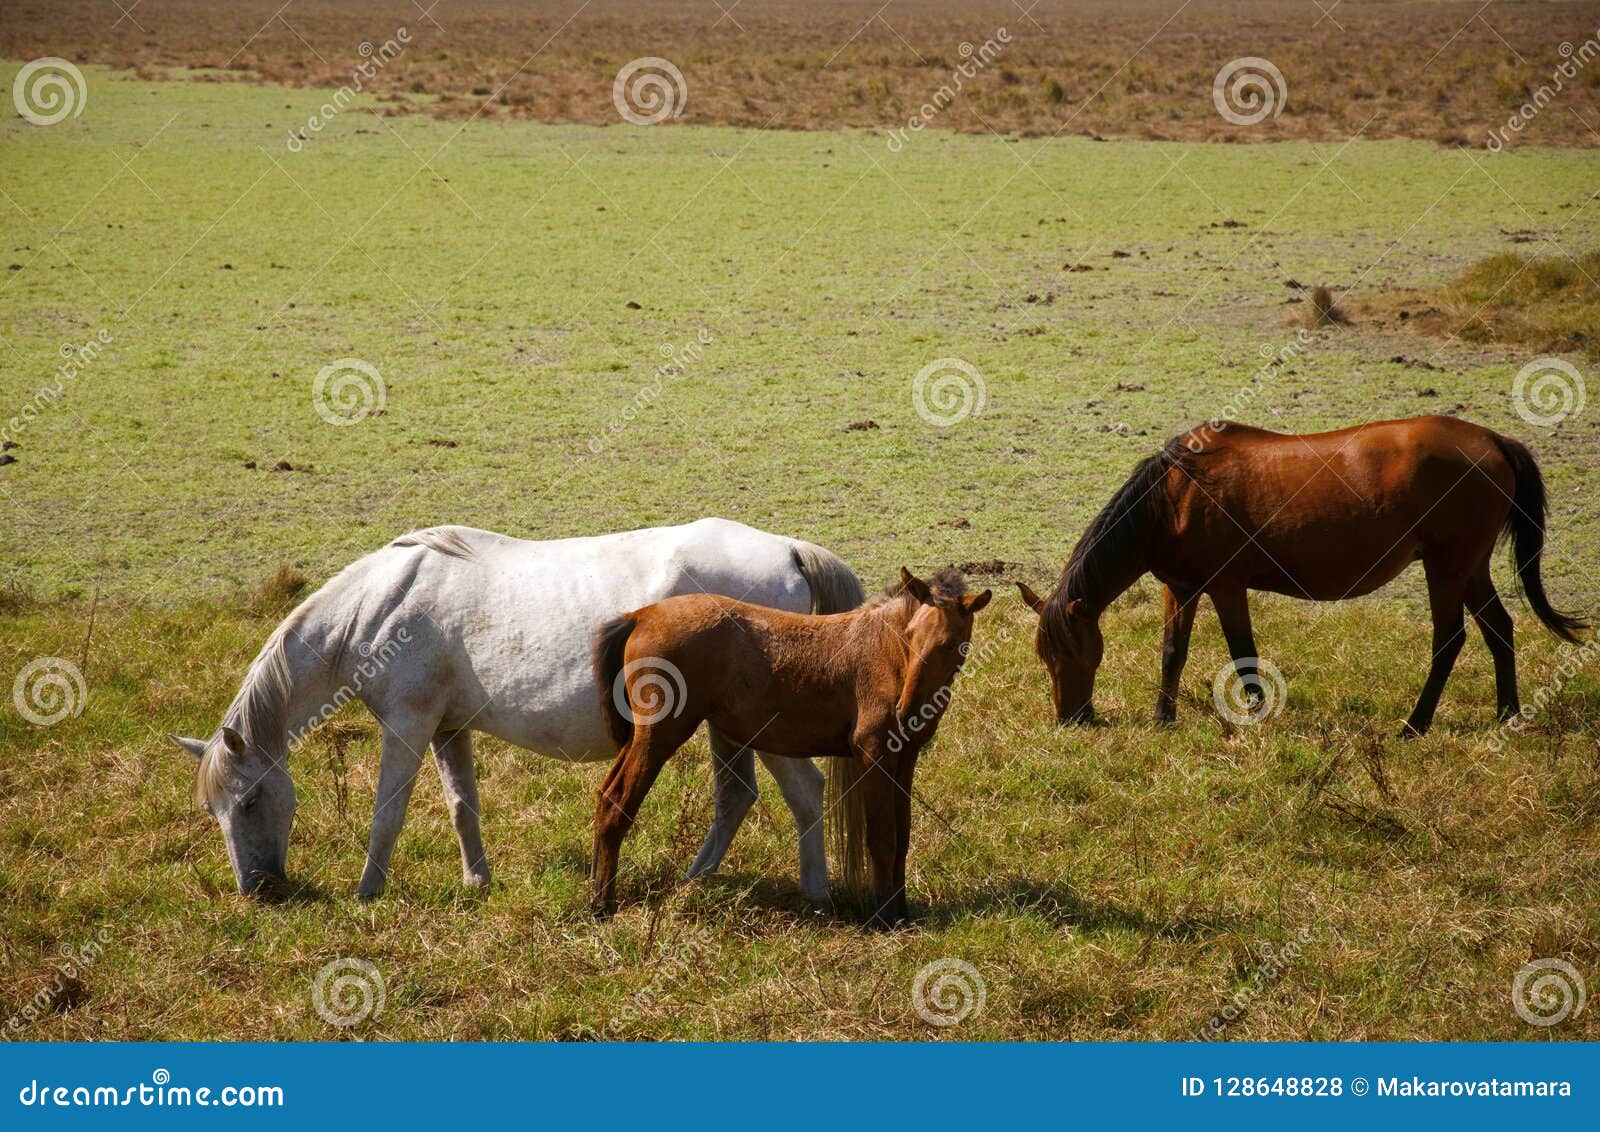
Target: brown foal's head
{"points": [[939, 634], [1070, 645]]}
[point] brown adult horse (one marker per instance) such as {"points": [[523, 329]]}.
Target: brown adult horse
{"points": [[870, 686], [1325, 516]]}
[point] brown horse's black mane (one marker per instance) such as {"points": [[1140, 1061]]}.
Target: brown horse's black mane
{"points": [[947, 585], [1116, 532]]}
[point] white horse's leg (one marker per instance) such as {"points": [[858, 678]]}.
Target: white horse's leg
{"points": [[733, 770], [801, 783], [403, 744], [452, 753]]}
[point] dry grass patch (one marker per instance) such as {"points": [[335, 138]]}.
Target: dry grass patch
{"points": [[1550, 304]]}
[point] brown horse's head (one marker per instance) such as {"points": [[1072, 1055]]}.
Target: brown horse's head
{"points": [[939, 634], [1070, 645]]}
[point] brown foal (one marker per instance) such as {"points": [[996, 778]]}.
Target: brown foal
{"points": [[865, 688], [1325, 516]]}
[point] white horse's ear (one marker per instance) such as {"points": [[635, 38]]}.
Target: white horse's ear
{"points": [[234, 740], [195, 747]]}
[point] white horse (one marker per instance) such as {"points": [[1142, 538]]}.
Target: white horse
{"points": [[452, 630]]}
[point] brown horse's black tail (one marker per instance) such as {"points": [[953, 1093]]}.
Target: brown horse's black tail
{"points": [[1525, 527], [609, 646]]}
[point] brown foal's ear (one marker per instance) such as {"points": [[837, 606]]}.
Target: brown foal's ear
{"points": [[915, 586], [1035, 602], [975, 602]]}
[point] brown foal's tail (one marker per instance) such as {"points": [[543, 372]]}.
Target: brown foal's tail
{"points": [[1525, 526], [836, 589], [609, 646]]}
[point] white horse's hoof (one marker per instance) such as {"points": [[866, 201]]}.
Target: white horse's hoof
{"points": [[476, 880]]}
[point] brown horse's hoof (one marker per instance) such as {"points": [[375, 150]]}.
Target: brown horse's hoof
{"points": [[1409, 731], [602, 911]]}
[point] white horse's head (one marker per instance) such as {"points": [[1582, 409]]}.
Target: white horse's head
{"points": [[251, 795]]}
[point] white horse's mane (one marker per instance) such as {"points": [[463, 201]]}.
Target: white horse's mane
{"points": [[258, 710]]}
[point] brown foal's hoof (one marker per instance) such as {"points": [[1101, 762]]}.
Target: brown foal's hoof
{"points": [[602, 910]]}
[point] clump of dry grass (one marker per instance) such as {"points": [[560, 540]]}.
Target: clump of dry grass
{"points": [[1324, 311], [278, 594], [1547, 303]]}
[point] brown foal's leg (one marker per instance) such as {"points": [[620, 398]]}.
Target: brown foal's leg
{"points": [[1483, 602], [618, 803], [1446, 595], [904, 773], [879, 789], [1233, 610], [1174, 651]]}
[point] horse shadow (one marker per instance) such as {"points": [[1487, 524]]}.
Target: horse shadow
{"points": [[1061, 906]]}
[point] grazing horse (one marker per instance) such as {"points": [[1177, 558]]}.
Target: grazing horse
{"points": [[865, 688], [1325, 516], [452, 630]]}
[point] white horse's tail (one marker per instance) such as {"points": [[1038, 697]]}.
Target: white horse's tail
{"points": [[836, 589], [834, 586]]}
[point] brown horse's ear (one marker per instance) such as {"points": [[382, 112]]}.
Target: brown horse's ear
{"points": [[1035, 602], [915, 586], [975, 602]]}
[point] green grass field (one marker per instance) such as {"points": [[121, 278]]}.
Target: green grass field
{"points": [[517, 287]]}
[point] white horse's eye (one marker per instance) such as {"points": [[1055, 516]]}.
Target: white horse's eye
{"points": [[249, 799]]}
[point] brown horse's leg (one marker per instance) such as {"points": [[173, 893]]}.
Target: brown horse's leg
{"points": [[902, 828], [1174, 651], [1495, 624], [618, 804], [1446, 595], [879, 786], [1233, 610]]}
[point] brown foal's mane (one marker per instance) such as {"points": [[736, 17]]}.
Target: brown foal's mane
{"points": [[947, 585], [1118, 530]]}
